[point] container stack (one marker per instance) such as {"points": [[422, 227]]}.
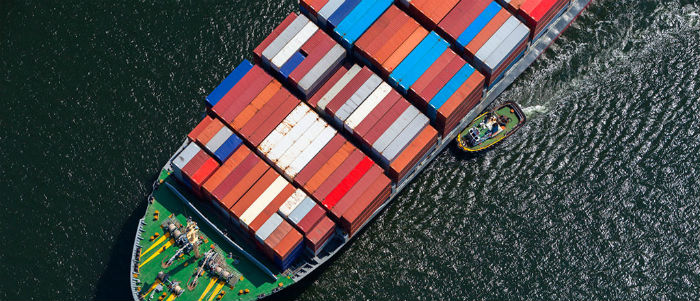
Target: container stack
{"points": [[328, 167], [386, 43], [193, 166], [251, 193], [347, 19], [538, 14], [216, 138], [307, 216], [369, 109], [279, 241], [300, 53], [226, 85], [487, 34], [298, 142], [428, 12]]}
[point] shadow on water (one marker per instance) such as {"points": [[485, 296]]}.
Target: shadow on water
{"points": [[114, 282]]}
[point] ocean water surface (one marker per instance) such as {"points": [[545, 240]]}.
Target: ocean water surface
{"points": [[595, 198]]}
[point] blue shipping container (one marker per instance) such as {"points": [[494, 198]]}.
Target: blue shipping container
{"points": [[228, 83]]}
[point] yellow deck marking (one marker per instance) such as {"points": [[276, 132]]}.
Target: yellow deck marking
{"points": [[216, 290], [166, 246], [171, 298], [152, 287], [158, 241], [211, 283]]}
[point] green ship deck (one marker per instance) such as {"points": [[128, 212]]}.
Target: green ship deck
{"points": [[153, 252]]}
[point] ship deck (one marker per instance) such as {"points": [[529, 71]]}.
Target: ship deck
{"points": [[153, 252]]}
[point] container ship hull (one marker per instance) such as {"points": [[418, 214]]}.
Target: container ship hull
{"points": [[168, 263]]}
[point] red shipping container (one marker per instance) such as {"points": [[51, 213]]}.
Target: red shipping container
{"points": [[350, 89], [275, 119], [236, 175], [348, 182], [316, 48], [430, 12], [319, 234], [377, 113], [199, 128], [351, 197], [386, 121], [329, 167], [276, 237], [313, 100], [321, 158], [245, 183], [241, 94], [338, 175], [488, 31], [311, 219], [264, 114], [459, 18], [285, 247], [351, 218], [253, 193], [224, 170], [376, 35]]}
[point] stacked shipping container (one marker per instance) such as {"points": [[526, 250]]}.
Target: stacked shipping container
{"points": [[300, 53], [434, 78], [302, 142], [216, 138], [377, 116], [292, 137], [348, 19], [487, 34], [193, 166], [251, 193], [537, 14]]}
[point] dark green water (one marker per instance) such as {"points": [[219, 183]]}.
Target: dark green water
{"points": [[596, 198]]}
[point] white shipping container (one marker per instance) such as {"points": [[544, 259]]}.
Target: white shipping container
{"points": [[292, 202], [185, 156], [367, 106], [327, 10], [218, 139], [405, 137], [302, 143], [508, 46], [342, 82], [322, 70], [358, 97], [284, 37], [282, 145], [395, 128], [263, 200], [492, 44], [283, 128], [294, 44], [310, 152]]}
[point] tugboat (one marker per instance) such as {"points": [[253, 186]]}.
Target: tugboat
{"points": [[491, 127]]}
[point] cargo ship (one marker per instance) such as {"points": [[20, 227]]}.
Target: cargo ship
{"points": [[298, 152]]}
